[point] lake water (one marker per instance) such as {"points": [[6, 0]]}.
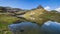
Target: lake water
{"points": [[47, 28], [51, 28]]}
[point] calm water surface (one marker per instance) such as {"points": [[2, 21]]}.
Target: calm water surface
{"points": [[47, 28]]}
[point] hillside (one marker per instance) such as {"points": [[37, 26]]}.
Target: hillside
{"points": [[37, 15]]}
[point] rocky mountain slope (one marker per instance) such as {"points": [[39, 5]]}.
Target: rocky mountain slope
{"points": [[37, 15]]}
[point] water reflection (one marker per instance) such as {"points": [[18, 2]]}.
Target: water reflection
{"points": [[47, 28], [51, 28], [25, 28]]}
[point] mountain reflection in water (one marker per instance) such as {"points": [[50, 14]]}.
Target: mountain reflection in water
{"points": [[47, 28], [51, 28]]}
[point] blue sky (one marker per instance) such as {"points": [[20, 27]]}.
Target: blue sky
{"points": [[29, 4]]}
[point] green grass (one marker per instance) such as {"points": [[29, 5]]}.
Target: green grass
{"points": [[5, 20]]}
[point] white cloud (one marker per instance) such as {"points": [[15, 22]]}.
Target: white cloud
{"points": [[47, 8], [58, 9], [47, 24]]}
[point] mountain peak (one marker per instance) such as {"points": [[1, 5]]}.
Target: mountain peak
{"points": [[39, 7]]}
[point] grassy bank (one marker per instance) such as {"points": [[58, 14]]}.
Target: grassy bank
{"points": [[5, 20]]}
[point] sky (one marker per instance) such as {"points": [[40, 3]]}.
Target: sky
{"points": [[30, 4]]}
